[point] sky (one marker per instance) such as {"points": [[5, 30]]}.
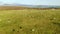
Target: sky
{"points": [[31, 2]]}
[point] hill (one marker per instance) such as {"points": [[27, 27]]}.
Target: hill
{"points": [[31, 6], [23, 7]]}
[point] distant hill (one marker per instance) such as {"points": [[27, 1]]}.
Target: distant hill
{"points": [[23, 6], [32, 6]]}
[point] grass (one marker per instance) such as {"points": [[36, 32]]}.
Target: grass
{"points": [[29, 21]]}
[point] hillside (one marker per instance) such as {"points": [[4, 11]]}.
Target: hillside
{"points": [[22, 8], [30, 21]]}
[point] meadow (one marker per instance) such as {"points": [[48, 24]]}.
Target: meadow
{"points": [[30, 21]]}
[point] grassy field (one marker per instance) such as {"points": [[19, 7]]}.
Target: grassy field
{"points": [[29, 21]]}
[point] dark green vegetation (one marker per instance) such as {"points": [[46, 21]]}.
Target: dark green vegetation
{"points": [[30, 21]]}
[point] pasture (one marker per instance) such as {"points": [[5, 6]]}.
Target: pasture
{"points": [[29, 21]]}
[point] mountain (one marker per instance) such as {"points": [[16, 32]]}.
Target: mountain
{"points": [[32, 6]]}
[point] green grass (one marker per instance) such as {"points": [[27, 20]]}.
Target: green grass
{"points": [[29, 21]]}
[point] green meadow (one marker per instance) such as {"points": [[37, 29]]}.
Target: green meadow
{"points": [[30, 21]]}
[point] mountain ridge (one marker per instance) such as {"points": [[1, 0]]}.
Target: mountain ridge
{"points": [[33, 6]]}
